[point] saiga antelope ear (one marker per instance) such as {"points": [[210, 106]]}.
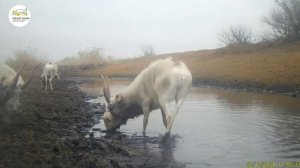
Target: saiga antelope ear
{"points": [[119, 98]]}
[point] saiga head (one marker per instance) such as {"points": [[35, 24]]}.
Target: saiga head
{"points": [[112, 118]]}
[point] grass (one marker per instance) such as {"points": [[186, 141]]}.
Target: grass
{"points": [[270, 67]]}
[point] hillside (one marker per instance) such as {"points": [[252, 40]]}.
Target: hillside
{"points": [[273, 68]]}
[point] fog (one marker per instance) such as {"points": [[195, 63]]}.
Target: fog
{"points": [[120, 27]]}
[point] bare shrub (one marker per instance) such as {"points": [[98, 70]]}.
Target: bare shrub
{"points": [[147, 50], [90, 57], [28, 56], [284, 20], [236, 35]]}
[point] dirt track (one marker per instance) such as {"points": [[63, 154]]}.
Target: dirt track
{"points": [[51, 128]]}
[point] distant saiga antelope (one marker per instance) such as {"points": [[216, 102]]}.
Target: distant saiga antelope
{"points": [[162, 82], [49, 72]]}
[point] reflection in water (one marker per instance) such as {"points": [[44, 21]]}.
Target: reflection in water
{"points": [[277, 119], [152, 150], [224, 129]]}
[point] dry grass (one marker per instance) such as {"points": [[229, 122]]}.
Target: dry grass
{"points": [[272, 67]]}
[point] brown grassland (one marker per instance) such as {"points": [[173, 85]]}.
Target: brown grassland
{"points": [[272, 67]]}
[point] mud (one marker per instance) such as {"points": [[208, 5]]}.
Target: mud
{"points": [[51, 130], [250, 87]]}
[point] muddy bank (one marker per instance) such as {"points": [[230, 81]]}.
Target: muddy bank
{"points": [[250, 87], [51, 130]]}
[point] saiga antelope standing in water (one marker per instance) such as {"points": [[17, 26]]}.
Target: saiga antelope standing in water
{"points": [[162, 82]]}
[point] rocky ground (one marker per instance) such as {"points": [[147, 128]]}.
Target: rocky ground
{"points": [[51, 130]]}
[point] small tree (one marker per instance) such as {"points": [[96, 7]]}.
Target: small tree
{"points": [[29, 56], [285, 19], [94, 52], [147, 50], [236, 35], [110, 58], [90, 57]]}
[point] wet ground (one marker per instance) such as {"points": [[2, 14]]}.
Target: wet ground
{"points": [[51, 129]]}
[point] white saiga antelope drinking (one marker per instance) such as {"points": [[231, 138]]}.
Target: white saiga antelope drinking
{"points": [[50, 71], [11, 86], [162, 82]]}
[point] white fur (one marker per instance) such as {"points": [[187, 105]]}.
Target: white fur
{"points": [[50, 70], [162, 82], [9, 74]]}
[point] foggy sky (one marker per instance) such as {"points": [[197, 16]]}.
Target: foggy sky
{"points": [[61, 28]]}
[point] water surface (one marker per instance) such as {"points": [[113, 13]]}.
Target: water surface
{"points": [[218, 128]]}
